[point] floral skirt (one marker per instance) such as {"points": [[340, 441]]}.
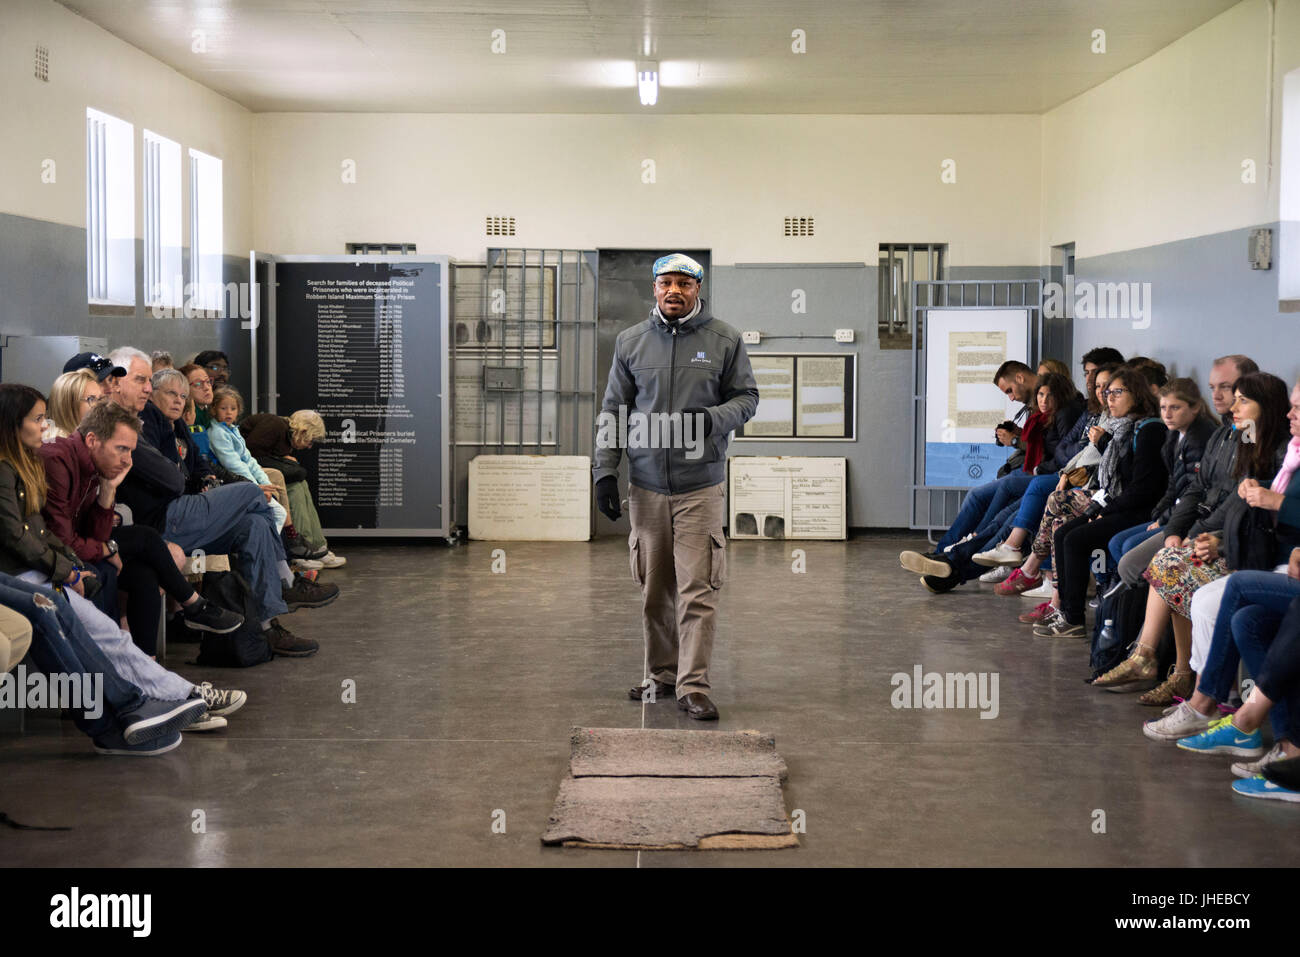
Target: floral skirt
{"points": [[1061, 507], [1176, 573]]}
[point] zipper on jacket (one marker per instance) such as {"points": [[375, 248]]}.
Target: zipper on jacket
{"points": [[672, 371]]}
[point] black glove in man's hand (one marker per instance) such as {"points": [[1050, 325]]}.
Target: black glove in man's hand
{"points": [[607, 498], [708, 419]]}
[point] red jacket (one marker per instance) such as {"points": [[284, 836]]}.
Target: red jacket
{"points": [[1032, 436], [72, 510]]}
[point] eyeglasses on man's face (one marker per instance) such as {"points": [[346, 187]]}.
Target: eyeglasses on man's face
{"points": [[217, 367]]}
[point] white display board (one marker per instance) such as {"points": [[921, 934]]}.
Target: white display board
{"points": [[530, 498], [964, 348], [787, 497]]}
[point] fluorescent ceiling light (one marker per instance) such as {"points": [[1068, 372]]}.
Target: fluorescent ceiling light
{"points": [[647, 82]]}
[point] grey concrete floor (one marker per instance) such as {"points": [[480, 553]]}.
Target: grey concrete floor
{"points": [[468, 682]]}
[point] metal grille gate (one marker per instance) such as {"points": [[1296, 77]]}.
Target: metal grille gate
{"points": [[523, 357]]}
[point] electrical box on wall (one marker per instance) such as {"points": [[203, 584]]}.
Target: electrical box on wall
{"points": [[750, 338], [1259, 248]]}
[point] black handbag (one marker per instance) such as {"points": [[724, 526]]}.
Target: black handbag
{"points": [[1249, 537]]}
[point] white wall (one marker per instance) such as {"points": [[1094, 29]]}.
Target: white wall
{"points": [[1154, 154], [91, 67], [723, 182]]}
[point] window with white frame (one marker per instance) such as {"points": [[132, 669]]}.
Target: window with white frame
{"points": [[205, 231], [163, 279], [110, 210]]}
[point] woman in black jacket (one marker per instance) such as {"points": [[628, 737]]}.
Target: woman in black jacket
{"points": [[1131, 478], [1190, 426]]}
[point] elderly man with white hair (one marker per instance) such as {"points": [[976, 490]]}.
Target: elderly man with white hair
{"points": [[231, 519]]}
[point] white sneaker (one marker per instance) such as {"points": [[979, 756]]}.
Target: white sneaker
{"points": [[955, 544], [1042, 593], [1002, 554], [306, 564], [209, 722], [330, 560], [995, 575], [1248, 769], [1180, 722]]}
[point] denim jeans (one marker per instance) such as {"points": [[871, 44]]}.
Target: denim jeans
{"points": [[1269, 590], [1125, 540], [1034, 501], [128, 660], [979, 503], [60, 645], [1278, 675], [235, 520]]}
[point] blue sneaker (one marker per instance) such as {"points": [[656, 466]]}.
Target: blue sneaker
{"points": [[154, 719], [114, 743], [1259, 787], [1224, 738]]}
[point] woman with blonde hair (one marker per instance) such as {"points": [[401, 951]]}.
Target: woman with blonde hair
{"points": [[74, 394]]}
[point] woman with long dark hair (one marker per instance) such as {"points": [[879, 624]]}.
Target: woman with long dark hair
{"points": [[29, 551], [1259, 415], [1130, 479]]}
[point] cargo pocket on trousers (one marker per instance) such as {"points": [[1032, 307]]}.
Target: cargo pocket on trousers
{"points": [[717, 559], [634, 553]]}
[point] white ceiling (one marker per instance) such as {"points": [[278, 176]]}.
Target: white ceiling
{"points": [[716, 56]]}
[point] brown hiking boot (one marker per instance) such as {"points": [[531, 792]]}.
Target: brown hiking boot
{"points": [[1175, 686], [308, 594], [1130, 674]]}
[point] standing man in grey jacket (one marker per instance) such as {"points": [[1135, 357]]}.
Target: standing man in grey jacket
{"points": [[679, 384]]}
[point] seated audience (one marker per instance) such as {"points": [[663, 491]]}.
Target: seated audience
{"points": [[29, 551], [233, 519], [1176, 573], [83, 472]]}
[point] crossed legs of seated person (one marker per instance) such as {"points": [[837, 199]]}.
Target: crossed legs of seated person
{"points": [[121, 718], [236, 520]]}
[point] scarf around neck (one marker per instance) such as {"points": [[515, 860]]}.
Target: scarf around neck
{"points": [[1108, 471], [1289, 466]]}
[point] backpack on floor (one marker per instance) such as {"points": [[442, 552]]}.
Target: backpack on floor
{"points": [[1125, 609], [243, 647]]}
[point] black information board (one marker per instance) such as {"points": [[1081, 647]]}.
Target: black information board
{"points": [[362, 340]]}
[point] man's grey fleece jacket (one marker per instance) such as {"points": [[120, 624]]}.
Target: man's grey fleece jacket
{"points": [[663, 367]]}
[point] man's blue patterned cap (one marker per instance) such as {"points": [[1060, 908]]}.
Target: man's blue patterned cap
{"points": [[676, 262]]}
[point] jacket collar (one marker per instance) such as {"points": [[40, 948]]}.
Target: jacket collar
{"points": [[696, 317]]}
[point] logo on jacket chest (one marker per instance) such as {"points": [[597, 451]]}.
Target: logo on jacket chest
{"points": [[701, 359]]}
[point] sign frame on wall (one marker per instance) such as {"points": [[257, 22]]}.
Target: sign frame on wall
{"points": [[784, 377], [263, 329]]}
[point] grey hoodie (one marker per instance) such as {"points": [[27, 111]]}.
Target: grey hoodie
{"points": [[661, 367]]}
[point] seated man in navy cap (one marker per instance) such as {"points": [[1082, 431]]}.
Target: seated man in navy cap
{"points": [[103, 367]]}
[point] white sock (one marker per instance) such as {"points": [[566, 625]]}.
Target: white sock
{"points": [[286, 575], [266, 625]]}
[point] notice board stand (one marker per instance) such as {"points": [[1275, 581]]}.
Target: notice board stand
{"points": [[966, 306], [363, 341]]}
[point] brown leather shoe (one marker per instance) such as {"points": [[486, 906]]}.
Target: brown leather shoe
{"points": [[698, 706], [661, 691]]}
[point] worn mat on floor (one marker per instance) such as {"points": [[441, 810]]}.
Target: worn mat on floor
{"points": [[667, 790]]}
